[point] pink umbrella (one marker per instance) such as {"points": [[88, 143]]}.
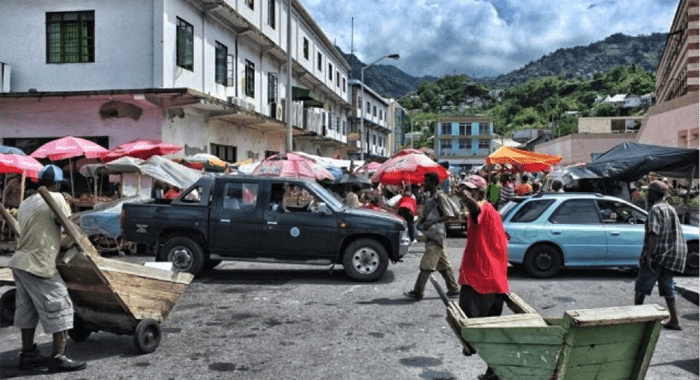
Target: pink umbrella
{"points": [[291, 165], [407, 166], [69, 147], [142, 148], [14, 163], [369, 167]]}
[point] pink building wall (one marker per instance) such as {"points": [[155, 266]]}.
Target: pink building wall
{"points": [[75, 116], [665, 122], [577, 148]]}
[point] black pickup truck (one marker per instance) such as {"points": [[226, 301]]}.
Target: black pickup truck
{"points": [[260, 219]]}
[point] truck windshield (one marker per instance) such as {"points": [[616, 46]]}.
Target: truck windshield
{"points": [[326, 196]]}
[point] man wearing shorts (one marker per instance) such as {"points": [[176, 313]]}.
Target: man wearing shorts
{"points": [[41, 293], [664, 252], [483, 273], [437, 209]]}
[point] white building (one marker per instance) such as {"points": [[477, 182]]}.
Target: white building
{"points": [[373, 109], [207, 74]]}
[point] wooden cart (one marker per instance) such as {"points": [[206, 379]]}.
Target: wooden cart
{"points": [[606, 343], [112, 295]]}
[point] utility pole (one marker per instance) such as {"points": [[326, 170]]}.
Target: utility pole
{"points": [[362, 100], [288, 101]]}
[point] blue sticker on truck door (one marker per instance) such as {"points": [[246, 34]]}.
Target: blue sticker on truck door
{"points": [[294, 232]]}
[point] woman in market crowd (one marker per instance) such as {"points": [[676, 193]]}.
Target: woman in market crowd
{"points": [[493, 191], [524, 188], [406, 207]]}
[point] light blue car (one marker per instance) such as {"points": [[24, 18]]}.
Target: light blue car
{"points": [[549, 231]]}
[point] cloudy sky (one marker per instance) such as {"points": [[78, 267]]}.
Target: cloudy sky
{"points": [[480, 37]]}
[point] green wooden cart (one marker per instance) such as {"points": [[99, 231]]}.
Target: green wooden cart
{"points": [[607, 343]]}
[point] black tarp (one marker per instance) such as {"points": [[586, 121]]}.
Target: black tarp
{"points": [[631, 161]]}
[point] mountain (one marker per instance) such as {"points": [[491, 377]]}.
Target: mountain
{"points": [[584, 61], [386, 80]]}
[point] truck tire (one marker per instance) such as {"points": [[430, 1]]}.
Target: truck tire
{"points": [[185, 253], [365, 260]]}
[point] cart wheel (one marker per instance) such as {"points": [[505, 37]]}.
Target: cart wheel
{"points": [[78, 333], [7, 308], [147, 336]]}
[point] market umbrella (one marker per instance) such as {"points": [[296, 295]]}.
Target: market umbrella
{"points": [[142, 148], [4, 149], [408, 166], [67, 148], [24, 165], [293, 166], [367, 168], [522, 160], [349, 179]]}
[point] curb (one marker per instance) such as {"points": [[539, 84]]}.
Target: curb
{"points": [[690, 295]]}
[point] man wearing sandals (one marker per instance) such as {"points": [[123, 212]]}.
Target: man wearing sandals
{"points": [[41, 293], [664, 252]]}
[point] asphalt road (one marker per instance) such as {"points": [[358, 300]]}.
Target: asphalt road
{"points": [[262, 321]]}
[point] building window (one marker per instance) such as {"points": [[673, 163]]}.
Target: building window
{"points": [[251, 4], [271, 13], [344, 85], [445, 147], [306, 48], [70, 37], [369, 108], [374, 111], [381, 115], [445, 129], [221, 63], [224, 152], [330, 71], [483, 144], [484, 129], [465, 129], [249, 78], [185, 45], [271, 88], [464, 145], [374, 139], [319, 61], [337, 78]]}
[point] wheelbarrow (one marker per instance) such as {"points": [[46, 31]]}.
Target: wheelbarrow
{"points": [[606, 343], [112, 295]]}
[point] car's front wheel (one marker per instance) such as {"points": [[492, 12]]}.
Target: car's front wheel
{"points": [[691, 262], [185, 253], [365, 260], [543, 261]]}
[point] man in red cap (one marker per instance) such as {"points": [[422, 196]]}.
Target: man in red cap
{"points": [[483, 273]]}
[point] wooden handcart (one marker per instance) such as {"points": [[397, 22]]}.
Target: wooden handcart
{"points": [[112, 295], [607, 343]]}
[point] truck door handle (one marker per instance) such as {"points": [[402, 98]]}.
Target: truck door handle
{"points": [[271, 222], [225, 220]]}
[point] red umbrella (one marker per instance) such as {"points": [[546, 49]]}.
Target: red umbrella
{"points": [[408, 166], [293, 166], [14, 163], [142, 148], [69, 147]]}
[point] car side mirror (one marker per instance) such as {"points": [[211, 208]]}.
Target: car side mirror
{"points": [[324, 209]]}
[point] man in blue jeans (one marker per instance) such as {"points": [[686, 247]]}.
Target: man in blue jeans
{"points": [[664, 252]]}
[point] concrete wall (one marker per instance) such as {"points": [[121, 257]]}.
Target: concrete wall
{"points": [[664, 122], [577, 148], [123, 46], [594, 125]]}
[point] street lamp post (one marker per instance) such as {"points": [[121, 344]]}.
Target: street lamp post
{"points": [[362, 99]]}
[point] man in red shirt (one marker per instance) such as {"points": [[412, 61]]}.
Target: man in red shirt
{"points": [[483, 274]]}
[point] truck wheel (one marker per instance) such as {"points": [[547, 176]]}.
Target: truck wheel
{"points": [[186, 254], [543, 261], [7, 307], [147, 336], [365, 260], [691, 262]]}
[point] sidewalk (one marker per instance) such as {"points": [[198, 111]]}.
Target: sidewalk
{"points": [[687, 287]]}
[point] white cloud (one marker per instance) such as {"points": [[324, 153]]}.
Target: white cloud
{"points": [[480, 37]]}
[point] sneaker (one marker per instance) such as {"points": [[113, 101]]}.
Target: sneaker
{"points": [[32, 359], [453, 293], [413, 294], [62, 363]]}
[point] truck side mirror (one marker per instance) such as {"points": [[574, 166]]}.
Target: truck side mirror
{"points": [[324, 209]]}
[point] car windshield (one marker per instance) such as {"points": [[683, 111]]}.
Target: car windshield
{"points": [[327, 197], [507, 209]]}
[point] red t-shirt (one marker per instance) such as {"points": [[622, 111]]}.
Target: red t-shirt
{"points": [[485, 258], [408, 202]]}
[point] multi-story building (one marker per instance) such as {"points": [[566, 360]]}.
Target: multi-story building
{"points": [[372, 113], [397, 118], [673, 121], [207, 74], [464, 141]]}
